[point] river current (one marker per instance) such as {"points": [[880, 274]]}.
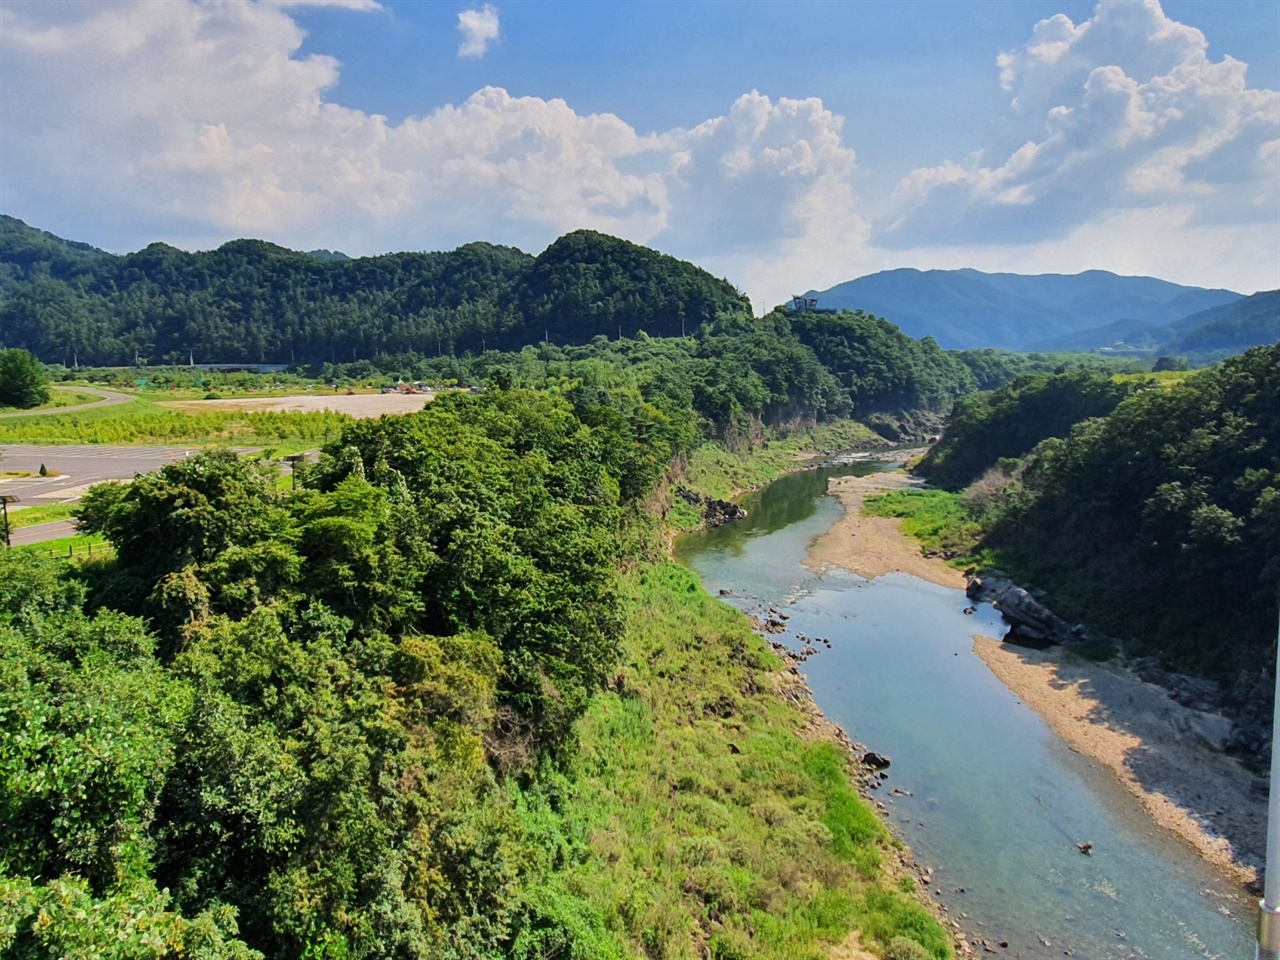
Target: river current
{"points": [[987, 795]]}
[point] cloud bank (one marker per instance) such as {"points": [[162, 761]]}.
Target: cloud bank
{"points": [[196, 122], [1123, 112]]}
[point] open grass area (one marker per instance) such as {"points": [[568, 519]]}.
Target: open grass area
{"points": [[58, 397], [714, 471], [78, 547], [44, 513], [938, 520], [718, 829], [145, 422]]}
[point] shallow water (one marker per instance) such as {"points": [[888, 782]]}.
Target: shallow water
{"points": [[995, 802]]}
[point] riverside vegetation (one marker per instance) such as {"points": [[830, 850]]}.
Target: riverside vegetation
{"points": [[448, 700], [1133, 506]]}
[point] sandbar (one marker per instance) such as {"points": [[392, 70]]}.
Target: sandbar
{"points": [[1153, 745]]}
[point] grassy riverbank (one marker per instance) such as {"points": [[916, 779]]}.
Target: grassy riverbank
{"points": [[939, 520], [718, 829], [722, 824], [714, 471]]}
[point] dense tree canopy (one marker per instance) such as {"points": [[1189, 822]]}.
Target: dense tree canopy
{"points": [[1157, 523], [1006, 423], [288, 721], [23, 381]]}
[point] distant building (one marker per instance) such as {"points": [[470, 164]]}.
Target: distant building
{"points": [[248, 367], [800, 304]]}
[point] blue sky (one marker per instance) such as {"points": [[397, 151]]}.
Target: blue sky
{"points": [[783, 145]]}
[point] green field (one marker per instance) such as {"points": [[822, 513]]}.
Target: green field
{"points": [[58, 397], [143, 421], [45, 513]]}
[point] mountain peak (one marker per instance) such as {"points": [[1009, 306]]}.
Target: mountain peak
{"points": [[967, 308]]}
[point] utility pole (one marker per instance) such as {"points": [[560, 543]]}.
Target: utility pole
{"points": [[5, 500], [293, 460], [1269, 905]]}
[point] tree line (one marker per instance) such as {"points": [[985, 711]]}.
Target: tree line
{"points": [[252, 301], [1149, 510]]}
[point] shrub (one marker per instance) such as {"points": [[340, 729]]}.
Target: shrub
{"points": [[23, 380], [900, 948]]}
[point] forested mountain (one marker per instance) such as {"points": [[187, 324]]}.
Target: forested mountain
{"points": [[1202, 337], [1133, 519], [970, 309], [257, 302], [1221, 331]]}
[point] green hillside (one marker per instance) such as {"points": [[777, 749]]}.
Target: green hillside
{"points": [[252, 301]]}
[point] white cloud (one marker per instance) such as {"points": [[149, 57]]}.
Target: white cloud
{"points": [[478, 28], [196, 122], [362, 5], [191, 120], [1122, 112]]}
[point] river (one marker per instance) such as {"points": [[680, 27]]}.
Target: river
{"points": [[991, 799]]}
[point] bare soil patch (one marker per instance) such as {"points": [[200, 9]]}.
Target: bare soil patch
{"points": [[361, 406]]}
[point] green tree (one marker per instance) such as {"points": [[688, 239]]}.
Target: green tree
{"points": [[23, 381]]}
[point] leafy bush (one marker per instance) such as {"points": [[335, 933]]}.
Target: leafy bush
{"points": [[23, 381]]}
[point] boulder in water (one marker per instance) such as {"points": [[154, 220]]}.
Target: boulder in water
{"points": [[877, 761]]}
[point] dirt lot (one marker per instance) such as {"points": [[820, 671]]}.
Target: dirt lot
{"points": [[361, 406]]}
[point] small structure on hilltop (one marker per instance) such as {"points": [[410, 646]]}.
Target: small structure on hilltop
{"points": [[803, 304]]}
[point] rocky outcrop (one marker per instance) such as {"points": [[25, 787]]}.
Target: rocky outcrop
{"points": [[715, 512], [1031, 623], [1194, 692]]}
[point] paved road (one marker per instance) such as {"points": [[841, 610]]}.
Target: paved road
{"points": [[40, 532], [109, 399], [78, 466]]}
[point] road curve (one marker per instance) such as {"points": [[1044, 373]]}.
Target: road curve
{"points": [[109, 399]]}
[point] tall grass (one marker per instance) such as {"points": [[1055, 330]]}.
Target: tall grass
{"points": [[717, 830]]}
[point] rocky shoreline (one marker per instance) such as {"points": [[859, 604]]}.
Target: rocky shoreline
{"points": [[870, 776], [1161, 735]]}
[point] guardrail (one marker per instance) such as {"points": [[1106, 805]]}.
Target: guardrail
{"points": [[71, 551]]}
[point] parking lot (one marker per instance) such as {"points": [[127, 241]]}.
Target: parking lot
{"points": [[77, 468]]}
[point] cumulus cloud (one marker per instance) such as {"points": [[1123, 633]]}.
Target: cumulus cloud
{"points": [[765, 169], [1122, 112], [191, 120], [478, 28], [195, 122]]}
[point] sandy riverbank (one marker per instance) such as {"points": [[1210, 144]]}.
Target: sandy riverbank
{"points": [[1148, 741], [873, 546]]}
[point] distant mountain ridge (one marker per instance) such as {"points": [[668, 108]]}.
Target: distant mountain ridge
{"points": [[254, 301], [967, 309]]}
